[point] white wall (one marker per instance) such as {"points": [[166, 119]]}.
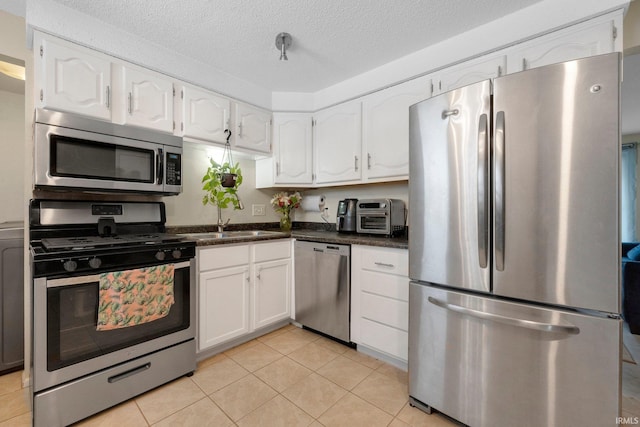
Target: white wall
{"points": [[12, 140]]}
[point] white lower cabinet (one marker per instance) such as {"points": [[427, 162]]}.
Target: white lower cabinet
{"points": [[242, 288], [380, 300]]}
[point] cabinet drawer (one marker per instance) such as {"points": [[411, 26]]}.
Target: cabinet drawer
{"points": [[272, 250], [385, 260], [384, 338], [387, 285], [223, 256], [385, 310]]}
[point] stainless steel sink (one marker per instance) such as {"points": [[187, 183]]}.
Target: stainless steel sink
{"points": [[240, 234]]}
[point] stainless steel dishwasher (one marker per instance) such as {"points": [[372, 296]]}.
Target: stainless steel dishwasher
{"points": [[323, 282]]}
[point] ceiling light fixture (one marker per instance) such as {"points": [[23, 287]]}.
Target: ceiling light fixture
{"points": [[283, 42], [12, 67]]}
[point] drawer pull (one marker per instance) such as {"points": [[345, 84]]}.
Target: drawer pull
{"points": [[129, 373], [382, 264]]}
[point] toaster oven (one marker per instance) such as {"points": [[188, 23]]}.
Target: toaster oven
{"points": [[381, 216]]}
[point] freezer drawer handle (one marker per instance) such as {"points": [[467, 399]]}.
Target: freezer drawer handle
{"points": [[522, 323]]}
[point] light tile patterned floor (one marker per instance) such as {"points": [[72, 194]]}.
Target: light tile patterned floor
{"points": [[290, 377]]}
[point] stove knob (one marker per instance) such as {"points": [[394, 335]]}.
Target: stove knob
{"points": [[70, 265], [176, 253], [95, 262], [160, 255]]}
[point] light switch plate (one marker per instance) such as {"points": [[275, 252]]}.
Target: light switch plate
{"points": [[258, 210]]}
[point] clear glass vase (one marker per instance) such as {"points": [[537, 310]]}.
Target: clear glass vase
{"points": [[285, 222]]}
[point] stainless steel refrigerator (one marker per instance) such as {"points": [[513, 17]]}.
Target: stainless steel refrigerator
{"points": [[514, 248]]}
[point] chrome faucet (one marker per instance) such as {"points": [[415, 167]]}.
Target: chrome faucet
{"points": [[221, 223]]}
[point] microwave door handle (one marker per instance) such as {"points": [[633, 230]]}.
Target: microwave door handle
{"points": [[483, 196], [159, 167]]}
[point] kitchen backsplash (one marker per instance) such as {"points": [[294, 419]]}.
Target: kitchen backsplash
{"points": [[187, 209]]}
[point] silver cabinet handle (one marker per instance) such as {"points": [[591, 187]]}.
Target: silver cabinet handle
{"points": [[483, 195], [240, 129], [355, 163], [130, 103], [277, 168], [258, 274], [499, 188], [368, 160], [108, 97], [524, 64], [521, 323], [382, 264]]}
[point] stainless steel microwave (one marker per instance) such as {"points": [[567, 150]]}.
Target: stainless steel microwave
{"points": [[74, 152]]}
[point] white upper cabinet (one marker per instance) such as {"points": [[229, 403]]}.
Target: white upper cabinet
{"points": [[252, 128], [205, 115], [292, 148], [466, 73], [337, 141], [72, 80], [595, 37], [385, 129], [145, 99]]}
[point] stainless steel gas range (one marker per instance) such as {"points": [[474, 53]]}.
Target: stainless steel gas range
{"points": [[90, 262]]}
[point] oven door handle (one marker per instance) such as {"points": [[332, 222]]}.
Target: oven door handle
{"points": [[70, 281]]}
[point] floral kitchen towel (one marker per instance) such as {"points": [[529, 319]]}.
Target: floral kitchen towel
{"points": [[132, 297]]}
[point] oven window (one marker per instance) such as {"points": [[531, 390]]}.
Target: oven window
{"points": [[72, 318], [78, 158]]}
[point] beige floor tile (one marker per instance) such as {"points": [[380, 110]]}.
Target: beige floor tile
{"points": [[314, 394], [332, 345], [13, 404], [211, 360], [398, 423], [203, 413], [10, 382], [243, 396], [241, 347], [218, 375], [277, 412], [354, 412], [393, 372], [23, 420], [169, 399], [363, 359], [256, 357], [282, 373], [384, 392], [631, 405], [313, 356], [288, 341], [417, 418], [305, 334], [344, 372], [126, 414], [275, 333]]}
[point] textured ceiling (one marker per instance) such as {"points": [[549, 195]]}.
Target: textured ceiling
{"points": [[333, 40]]}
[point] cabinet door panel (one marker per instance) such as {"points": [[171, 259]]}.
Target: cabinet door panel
{"points": [[272, 282], [471, 72], [253, 128], [149, 100], [293, 149], [224, 305], [206, 115], [75, 81], [337, 143], [386, 128]]}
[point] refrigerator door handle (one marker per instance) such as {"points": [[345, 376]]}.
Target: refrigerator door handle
{"points": [[499, 171], [483, 197], [521, 323]]}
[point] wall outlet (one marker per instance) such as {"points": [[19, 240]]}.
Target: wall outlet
{"points": [[258, 210]]}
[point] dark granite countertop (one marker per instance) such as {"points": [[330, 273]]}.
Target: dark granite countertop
{"points": [[309, 231]]}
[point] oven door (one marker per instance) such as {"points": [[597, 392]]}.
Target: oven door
{"points": [[67, 344], [86, 160], [374, 223]]}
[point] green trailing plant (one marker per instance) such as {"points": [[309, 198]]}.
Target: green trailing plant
{"points": [[218, 194]]}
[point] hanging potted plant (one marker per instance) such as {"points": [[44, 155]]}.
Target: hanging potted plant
{"points": [[220, 183]]}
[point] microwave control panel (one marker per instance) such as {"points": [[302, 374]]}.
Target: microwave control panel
{"points": [[174, 169]]}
